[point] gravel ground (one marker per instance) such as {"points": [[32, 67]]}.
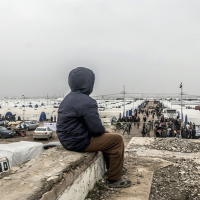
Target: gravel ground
{"points": [[180, 181], [175, 144]]}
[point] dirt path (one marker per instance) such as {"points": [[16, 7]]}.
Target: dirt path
{"points": [[140, 172]]}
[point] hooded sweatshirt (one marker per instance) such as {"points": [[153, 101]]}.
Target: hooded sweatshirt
{"points": [[78, 118]]}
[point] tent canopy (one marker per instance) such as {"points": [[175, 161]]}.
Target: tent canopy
{"points": [[9, 114], [42, 117], [186, 119]]}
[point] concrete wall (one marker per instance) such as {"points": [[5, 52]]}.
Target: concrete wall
{"points": [[56, 173], [85, 181]]}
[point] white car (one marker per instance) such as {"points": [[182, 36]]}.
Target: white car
{"points": [[30, 125], [42, 132]]}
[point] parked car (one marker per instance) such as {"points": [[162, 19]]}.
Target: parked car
{"points": [[30, 125], [1, 123], [42, 132], [5, 133]]}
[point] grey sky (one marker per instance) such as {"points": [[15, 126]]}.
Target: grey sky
{"points": [[150, 46]]}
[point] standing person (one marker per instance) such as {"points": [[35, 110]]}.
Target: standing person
{"points": [[147, 113], [125, 126], [144, 130], [138, 122], [188, 126], [134, 120], [193, 133], [184, 133], [193, 126], [152, 125], [25, 127], [129, 125], [54, 118], [155, 131], [79, 127], [136, 113], [144, 119]]}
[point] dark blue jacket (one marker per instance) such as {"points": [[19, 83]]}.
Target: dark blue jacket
{"points": [[78, 118]]}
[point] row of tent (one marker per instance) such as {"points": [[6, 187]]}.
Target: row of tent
{"points": [[41, 118], [128, 113], [30, 106]]}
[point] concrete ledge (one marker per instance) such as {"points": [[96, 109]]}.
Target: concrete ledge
{"points": [[49, 175], [85, 181]]}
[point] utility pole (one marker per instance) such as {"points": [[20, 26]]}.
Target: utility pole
{"points": [[24, 107], [47, 99], [102, 99], [181, 102], [124, 101]]}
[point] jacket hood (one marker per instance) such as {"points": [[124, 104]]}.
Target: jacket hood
{"points": [[81, 79]]}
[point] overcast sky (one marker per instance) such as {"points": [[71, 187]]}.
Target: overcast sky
{"points": [[149, 46]]}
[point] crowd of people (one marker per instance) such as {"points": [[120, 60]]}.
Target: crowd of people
{"points": [[173, 128], [162, 127]]}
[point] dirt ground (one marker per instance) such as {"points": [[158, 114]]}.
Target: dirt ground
{"points": [[140, 172]]}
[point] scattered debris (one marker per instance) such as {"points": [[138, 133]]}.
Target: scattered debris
{"points": [[178, 182], [175, 144]]}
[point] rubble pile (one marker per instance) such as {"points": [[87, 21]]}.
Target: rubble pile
{"points": [[178, 182], [175, 144]]}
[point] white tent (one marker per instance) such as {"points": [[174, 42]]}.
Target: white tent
{"points": [[109, 113], [192, 115], [20, 152]]}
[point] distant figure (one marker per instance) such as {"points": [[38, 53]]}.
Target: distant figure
{"points": [[144, 119], [138, 122], [193, 133], [25, 127], [184, 133], [126, 129], [54, 118], [51, 118], [188, 126]]}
